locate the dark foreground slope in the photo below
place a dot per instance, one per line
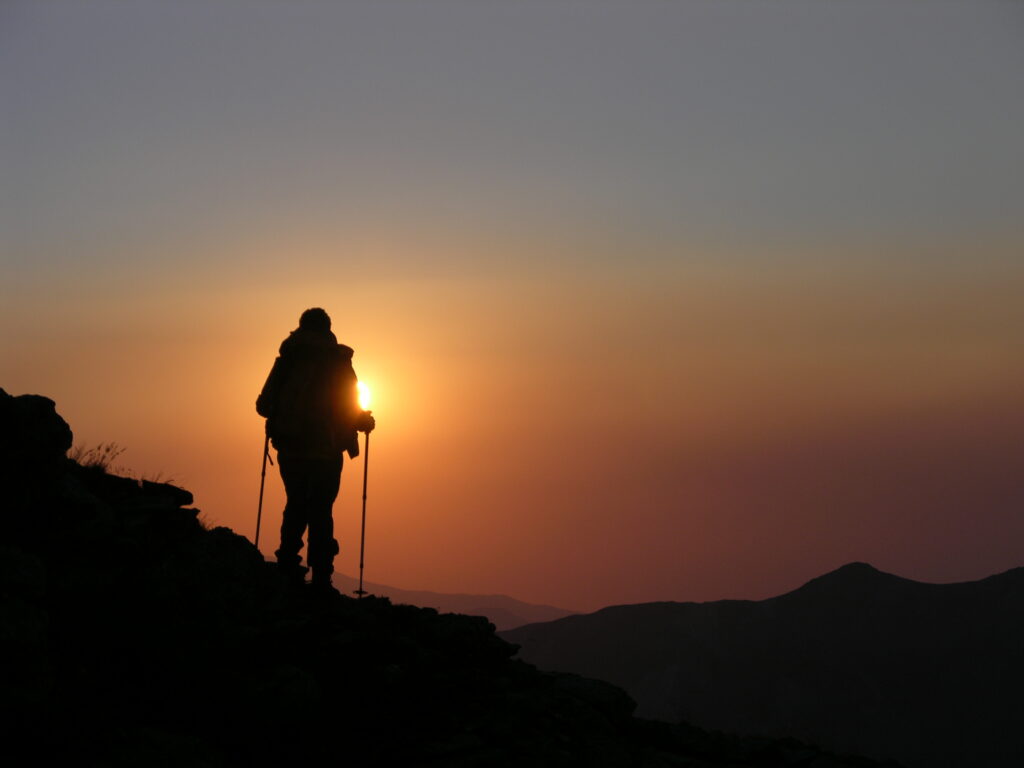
(856, 660)
(133, 636)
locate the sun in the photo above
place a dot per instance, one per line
(364, 395)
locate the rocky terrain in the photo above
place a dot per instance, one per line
(132, 635)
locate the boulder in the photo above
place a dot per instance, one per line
(32, 433)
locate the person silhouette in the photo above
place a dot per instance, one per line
(311, 405)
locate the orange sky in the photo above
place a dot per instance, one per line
(658, 300)
(676, 431)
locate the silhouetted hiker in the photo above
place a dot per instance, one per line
(312, 410)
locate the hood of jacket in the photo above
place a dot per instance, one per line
(304, 340)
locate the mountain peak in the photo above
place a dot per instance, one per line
(852, 575)
(857, 571)
(857, 567)
(853, 581)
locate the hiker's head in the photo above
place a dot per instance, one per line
(315, 319)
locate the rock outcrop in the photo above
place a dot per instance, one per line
(31, 431)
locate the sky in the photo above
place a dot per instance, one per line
(657, 300)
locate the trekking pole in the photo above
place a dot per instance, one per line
(263, 479)
(362, 532)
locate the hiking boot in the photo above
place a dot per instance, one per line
(322, 579)
(294, 575)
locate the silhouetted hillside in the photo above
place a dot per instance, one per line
(502, 611)
(856, 660)
(132, 636)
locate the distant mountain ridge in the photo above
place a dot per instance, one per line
(501, 610)
(856, 660)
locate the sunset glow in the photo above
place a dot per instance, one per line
(659, 301)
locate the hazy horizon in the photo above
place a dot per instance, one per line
(658, 301)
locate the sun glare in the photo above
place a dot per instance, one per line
(364, 395)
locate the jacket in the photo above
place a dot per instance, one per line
(310, 398)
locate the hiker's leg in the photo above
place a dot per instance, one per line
(322, 544)
(296, 475)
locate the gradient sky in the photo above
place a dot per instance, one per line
(658, 300)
